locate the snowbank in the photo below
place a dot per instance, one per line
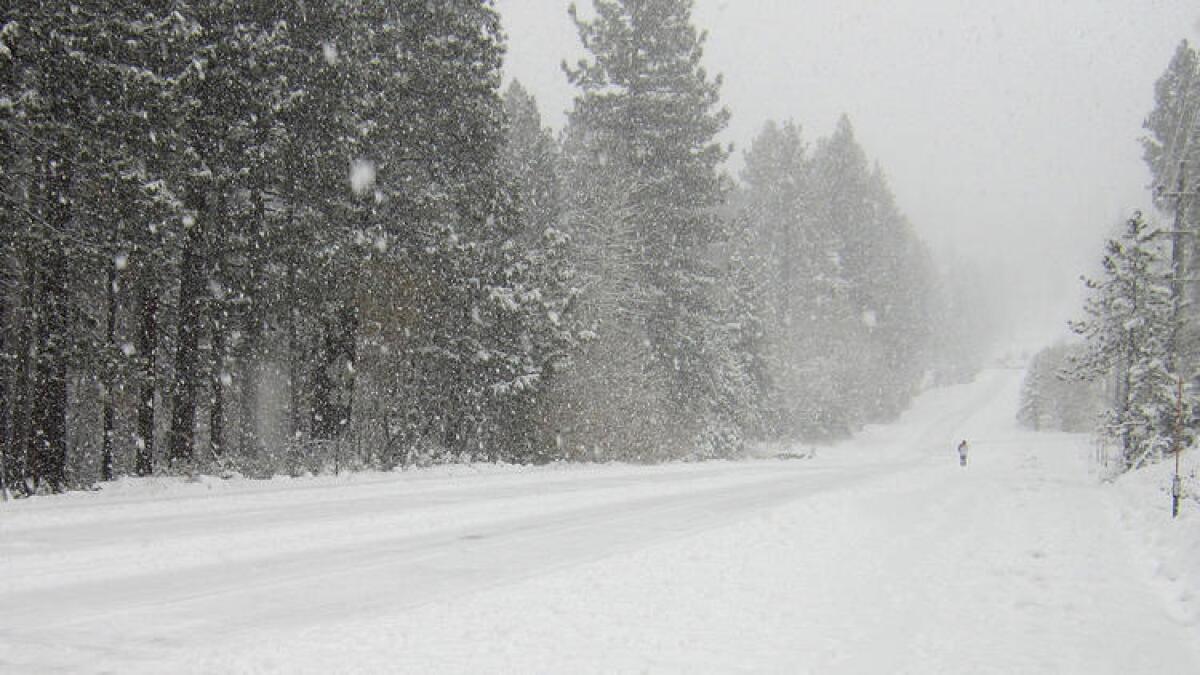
(1169, 548)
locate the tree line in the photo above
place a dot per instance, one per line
(295, 236)
(1141, 322)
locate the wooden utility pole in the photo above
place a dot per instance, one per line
(1177, 268)
(1175, 350)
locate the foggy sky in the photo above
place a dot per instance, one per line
(998, 124)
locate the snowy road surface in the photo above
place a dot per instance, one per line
(880, 555)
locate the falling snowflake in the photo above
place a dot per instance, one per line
(330, 51)
(362, 176)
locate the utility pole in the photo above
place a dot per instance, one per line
(1175, 351)
(1177, 264)
(1177, 232)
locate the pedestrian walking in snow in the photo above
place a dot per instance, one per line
(962, 453)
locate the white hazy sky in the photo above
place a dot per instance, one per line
(1008, 128)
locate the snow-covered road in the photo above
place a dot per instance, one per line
(879, 555)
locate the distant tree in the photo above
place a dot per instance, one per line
(1053, 399)
(790, 269)
(873, 316)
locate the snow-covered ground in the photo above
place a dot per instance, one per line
(878, 555)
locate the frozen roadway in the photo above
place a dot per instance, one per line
(878, 555)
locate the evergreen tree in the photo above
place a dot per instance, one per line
(1053, 399)
(782, 252)
(541, 325)
(843, 275)
(1127, 332)
(1174, 123)
(648, 111)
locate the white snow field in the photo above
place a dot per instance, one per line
(879, 555)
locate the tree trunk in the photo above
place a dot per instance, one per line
(181, 448)
(338, 350)
(216, 424)
(106, 456)
(148, 348)
(22, 399)
(324, 426)
(7, 359)
(248, 401)
(50, 410)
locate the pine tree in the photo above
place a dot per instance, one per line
(844, 275)
(539, 321)
(1032, 409)
(1052, 398)
(648, 111)
(1174, 123)
(782, 251)
(83, 79)
(1127, 331)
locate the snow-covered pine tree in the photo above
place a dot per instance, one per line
(531, 161)
(648, 112)
(79, 82)
(841, 177)
(538, 322)
(1053, 399)
(224, 102)
(1127, 331)
(1032, 409)
(1173, 125)
(449, 271)
(792, 271)
(845, 274)
(748, 306)
(898, 293)
(605, 404)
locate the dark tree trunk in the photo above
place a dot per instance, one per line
(337, 351)
(248, 401)
(187, 358)
(23, 371)
(106, 455)
(295, 368)
(148, 349)
(324, 425)
(50, 410)
(216, 424)
(7, 359)
(252, 327)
